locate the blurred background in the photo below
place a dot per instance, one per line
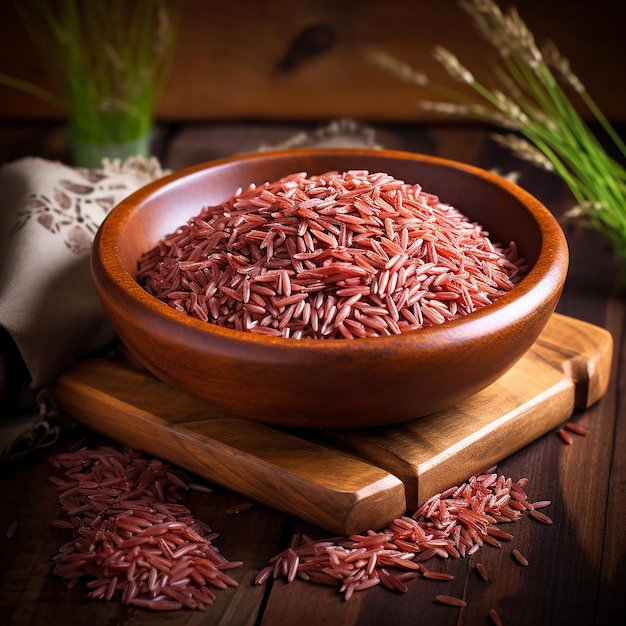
(280, 60)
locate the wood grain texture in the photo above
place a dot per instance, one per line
(299, 474)
(567, 368)
(265, 60)
(333, 490)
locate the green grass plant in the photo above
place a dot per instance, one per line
(107, 61)
(533, 101)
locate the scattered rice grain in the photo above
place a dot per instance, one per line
(437, 575)
(565, 436)
(540, 504)
(199, 487)
(453, 524)
(499, 534)
(11, 529)
(520, 558)
(239, 508)
(450, 600)
(495, 618)
(542, 517)
(576, 428)
(482, 571)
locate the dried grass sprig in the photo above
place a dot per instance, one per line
(531, 98)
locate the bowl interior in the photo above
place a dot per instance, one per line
(496, 204)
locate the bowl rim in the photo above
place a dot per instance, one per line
(548, 273)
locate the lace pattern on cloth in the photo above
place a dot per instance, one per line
(49, 215)
(75, 208)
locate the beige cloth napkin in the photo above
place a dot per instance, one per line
(49, 214)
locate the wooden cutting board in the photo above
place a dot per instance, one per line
(351, 480)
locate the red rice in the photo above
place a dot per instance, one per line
(542, 517)
(452, 524)
(576, 428)
(331, 256)
(482, 571)
(132, 538)
(437, 575)
(540, 504)
(520, 558)
(239, 508)
(11, 529)
(495, 618)
(451, 600)
(565, 436)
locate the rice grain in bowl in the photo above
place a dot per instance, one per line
(336, 255)
(341, 382)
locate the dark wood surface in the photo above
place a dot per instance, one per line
(577, 566)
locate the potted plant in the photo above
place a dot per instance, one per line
(108, 61)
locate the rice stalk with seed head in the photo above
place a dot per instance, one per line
(525, 150)
(107, 60)
(531, 99)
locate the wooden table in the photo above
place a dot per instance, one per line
(577, 566)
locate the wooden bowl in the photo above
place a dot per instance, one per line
(339, 383)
